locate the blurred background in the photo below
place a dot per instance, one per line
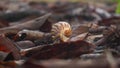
(63, 10)
(16, 4)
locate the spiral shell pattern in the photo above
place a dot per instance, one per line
(61, 30)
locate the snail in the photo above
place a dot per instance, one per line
(61, 30)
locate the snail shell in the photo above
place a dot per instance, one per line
(61, 30)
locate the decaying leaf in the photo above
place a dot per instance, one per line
(10, 46)
(32, 25)
(9, 64)
(110, 21)
(64, 50)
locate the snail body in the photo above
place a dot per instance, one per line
(61, 30)
(31, 35)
